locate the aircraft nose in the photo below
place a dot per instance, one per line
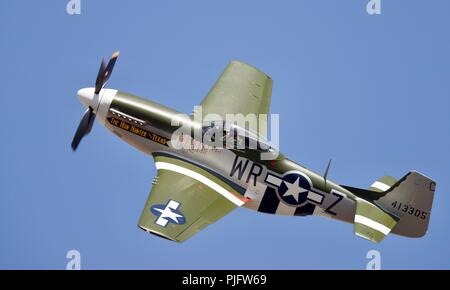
(86, 96)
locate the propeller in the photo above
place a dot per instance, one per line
(87, 121)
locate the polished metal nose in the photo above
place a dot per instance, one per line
(86, 96)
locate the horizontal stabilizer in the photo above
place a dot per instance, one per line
(383, 184)
(371, 222)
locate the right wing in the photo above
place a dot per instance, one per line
(185, 198)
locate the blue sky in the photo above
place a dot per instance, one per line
(371, 92)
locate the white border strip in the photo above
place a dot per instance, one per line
(272, 179)
(315, 197)
(372, 224)
(380, 185)
(197, 176)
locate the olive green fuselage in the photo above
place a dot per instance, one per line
(150, 127)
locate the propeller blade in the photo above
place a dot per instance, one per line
(84, 127)
(105, 72)
(99, 81)
(110, 66)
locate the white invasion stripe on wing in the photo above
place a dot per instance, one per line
(372, 224)
(197, 176)
(380, 185)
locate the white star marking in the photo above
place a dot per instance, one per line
(294, 189)
(168, 213)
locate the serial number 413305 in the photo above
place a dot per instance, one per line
(410, 210)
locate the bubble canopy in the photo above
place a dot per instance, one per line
(233, 136)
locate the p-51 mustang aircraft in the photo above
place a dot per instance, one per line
(196, 187)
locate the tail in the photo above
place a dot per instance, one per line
(402, 207)
(410, 199)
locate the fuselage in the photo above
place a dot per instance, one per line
(278, 186)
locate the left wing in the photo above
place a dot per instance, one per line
(185, 198)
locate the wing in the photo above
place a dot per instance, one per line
(185, 198)
(241, 89)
